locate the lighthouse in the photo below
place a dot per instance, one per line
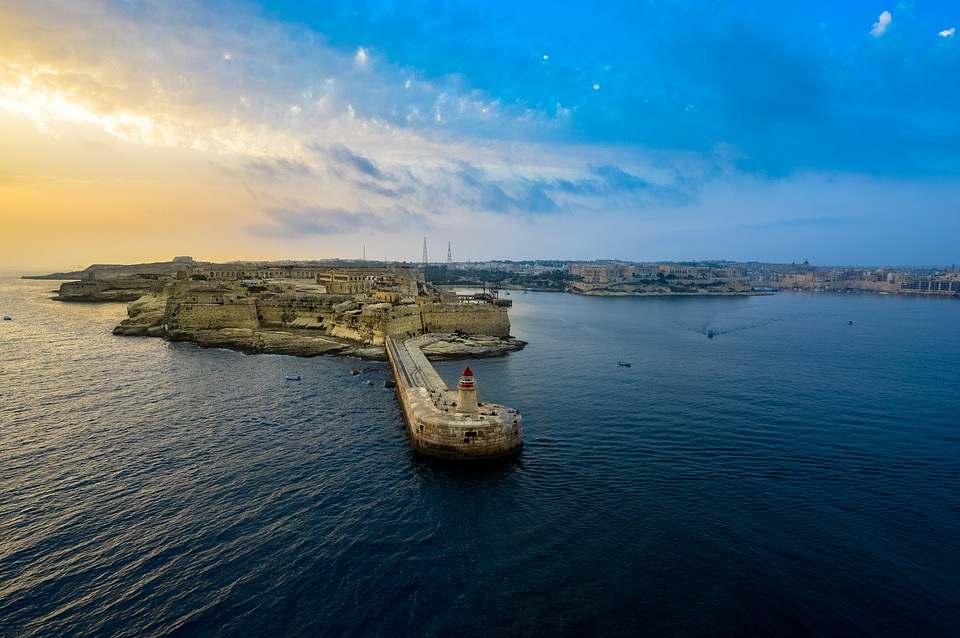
(467, 393)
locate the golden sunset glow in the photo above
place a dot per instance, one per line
(232, 133)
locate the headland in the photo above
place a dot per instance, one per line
(297, 309)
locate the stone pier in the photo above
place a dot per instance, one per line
(448, 423)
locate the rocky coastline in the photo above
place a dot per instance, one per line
(668, 288)
(301, 343)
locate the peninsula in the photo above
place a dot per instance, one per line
(298, 309)
(301, 309)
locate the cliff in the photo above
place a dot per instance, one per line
(160, 269)
(121, 289)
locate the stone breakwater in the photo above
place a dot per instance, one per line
(437, 426)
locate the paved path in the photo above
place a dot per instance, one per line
(411, 363)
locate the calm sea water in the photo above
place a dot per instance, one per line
(794, 475)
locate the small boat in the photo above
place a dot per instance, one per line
(623, 364)
(293, 377)
(850, 322)
(389, 383)
(710, 334)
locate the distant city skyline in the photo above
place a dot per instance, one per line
(641, 131)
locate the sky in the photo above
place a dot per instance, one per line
(657, 130)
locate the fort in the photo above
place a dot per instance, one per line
(301, 310)
(450, 424)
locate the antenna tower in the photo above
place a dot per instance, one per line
(449, 255)
(424, 252)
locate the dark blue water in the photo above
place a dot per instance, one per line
(794, 475)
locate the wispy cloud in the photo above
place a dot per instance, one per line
(298, 222)
(503, 196)
(948, 33)
(618, 179)
(344, 156)
(280, 168)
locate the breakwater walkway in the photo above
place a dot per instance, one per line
(448, 423)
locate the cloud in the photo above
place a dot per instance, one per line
(315, 220)
(344, 156)
(157, 73)
(618, 179)
(504, 196)
(617, 185)
(880, 26)
(948, 33)
(279, 168)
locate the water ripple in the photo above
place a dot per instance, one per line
(790, 476)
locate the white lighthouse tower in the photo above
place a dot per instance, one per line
(467, 393)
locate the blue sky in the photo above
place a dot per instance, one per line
(653, 130)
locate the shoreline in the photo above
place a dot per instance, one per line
(307, 343)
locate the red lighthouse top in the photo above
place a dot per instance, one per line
(466, 379)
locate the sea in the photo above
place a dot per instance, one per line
(796, 474)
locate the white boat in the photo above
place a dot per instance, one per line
(293, 377)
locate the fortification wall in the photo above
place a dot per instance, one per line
(210, 316)
(472, 319)
(403, 322)
(368, 325)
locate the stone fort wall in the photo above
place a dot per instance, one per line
(471, 319)
(211, 316)
(399, 321)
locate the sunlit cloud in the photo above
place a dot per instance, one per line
(948, 33)
(881, 25)
(27, 94)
